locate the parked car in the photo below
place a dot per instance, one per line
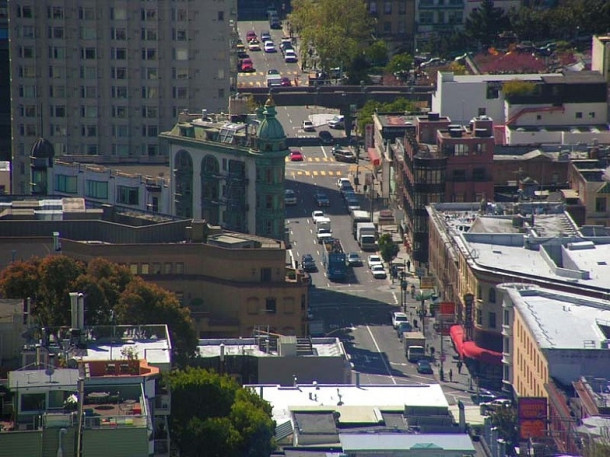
(354, 259)
(308, 263)
(398, 317)
(321, 199)
(402, 328)
(343, 182)
(374, 259)
(378, 272)
(296, 156)
(308, 126)
(352, 203)
(250, 35)
(269, 47)
(285, 82)
(290, 198)
(344, 155)
(326, 137)
(424, 367)
(265, 35)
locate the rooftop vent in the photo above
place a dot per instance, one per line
(433, 116)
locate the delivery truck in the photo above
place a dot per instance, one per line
(414, 340)
(366, 235)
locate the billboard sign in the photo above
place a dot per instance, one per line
(532, 416)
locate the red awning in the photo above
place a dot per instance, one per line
(374, 156)
(457, 336)
(471, 350)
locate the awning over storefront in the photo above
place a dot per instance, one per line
(470, 350)
(457, 336)
(374, 156)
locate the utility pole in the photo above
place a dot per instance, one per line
(442, 371)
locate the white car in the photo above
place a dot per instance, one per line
(317, 215)
(378, 271)
(343, 182)
(254, 46)
(398, 317)
(308, 126)
(374, 260)
(269, 46)
(323, 234)
(290, 56)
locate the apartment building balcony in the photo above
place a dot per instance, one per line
(507, 330)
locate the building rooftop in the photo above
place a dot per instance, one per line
(396, 120)
(449, 76)
(51, 379)
(549, 313)
(354, 442)
(354, 403)
(254, 347)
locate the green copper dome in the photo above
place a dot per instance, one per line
(270, 128)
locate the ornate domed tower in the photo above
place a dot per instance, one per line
(270, 147)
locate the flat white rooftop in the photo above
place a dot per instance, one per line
(353, 442)
(322, 347)
(156, 352)
(486, 78)
(560, 320)
(336, 397)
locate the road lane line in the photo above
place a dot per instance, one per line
(381, 355)
(395, 299)
(324, 152)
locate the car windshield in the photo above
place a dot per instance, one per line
(273, 71)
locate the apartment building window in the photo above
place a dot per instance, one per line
(402, 8)
(180, 73)
(271, 305)
(460, 149)
(88, 53)
(118, 33)
(492, 295)
(57, 110)
(88, 91)
(149, 92)
(600, 204)
(118, 72)
(28, 91)
(478, 316)
(87, 14)
(27, 71)
(387, 7)
(459, 175)
(28, 110)
(27, 52)
(150, 73)
(478, 174)
(58, 130)
(121, 150)
(55, 12)
(25, 12)
(426, 17)
(180, 93)
(56, 33)
(119, 92)
(89, 112)
(150, 112)
(57, 72)
(221, 93)
(265, 274)
(592, 115)
(149, 54)
(373, 7)
(179, 14)
(57, 52)
(492, 320)
(152, 150)
(179, 35)
(149, 34)
(96, 189)
(67, 184)
(88, 72)
(27, 129)
(454, 17)
(181, 54)
(149, 14)
(28, 31)
(167, 268)
(127, 195)
(118, 53)
(89, 131)
(179, 265)
(579, 115)
(151, 131)
(119, 112)
(88, 33)
(120, 131)
(118, 13)
(57, 91)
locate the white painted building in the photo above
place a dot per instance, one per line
(600, 55)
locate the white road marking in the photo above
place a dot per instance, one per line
(380, 352)
(324, 152)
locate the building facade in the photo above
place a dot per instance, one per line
(600, 55)
(100, 80)
(590, 181)
(230, 171)
(394, 22)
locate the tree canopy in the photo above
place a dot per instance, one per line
(336, 29)
(365, 114)
(213, 416)
(113, 295)
(485, 23)
(387, 248)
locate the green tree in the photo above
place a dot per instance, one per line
(211, 412)
(506, 421)
(485, 23)
(399, 63)
(109, 289)
(377, 53)
(336, 29)
(387, 248)
(365, 114)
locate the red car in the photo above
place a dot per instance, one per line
(251, 35)
(296, 156)
(247, 65)
(285, 82)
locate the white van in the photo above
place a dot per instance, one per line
(337, 122)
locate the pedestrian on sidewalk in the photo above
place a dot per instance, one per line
(459, 365)
(450, 375)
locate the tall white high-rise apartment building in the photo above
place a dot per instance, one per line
(100, 79)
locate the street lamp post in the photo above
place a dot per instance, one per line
(442, 371)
